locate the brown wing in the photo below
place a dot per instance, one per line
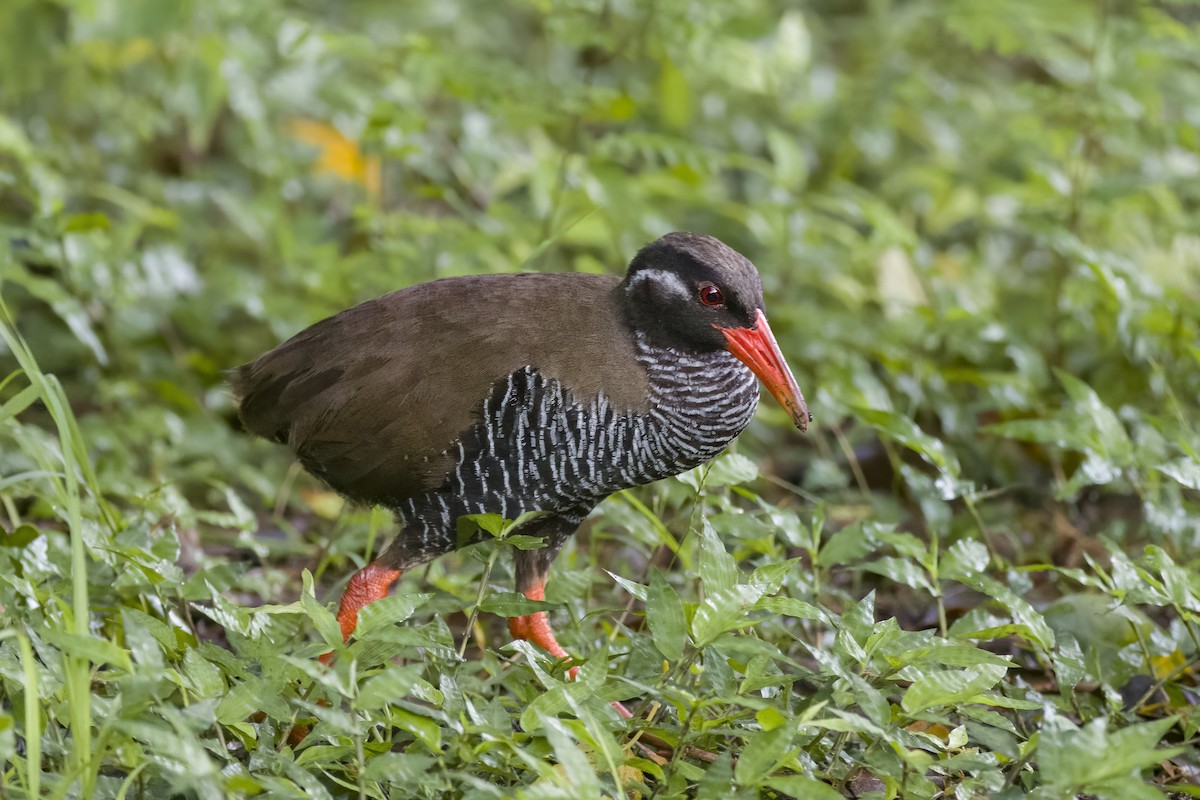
(371, 399)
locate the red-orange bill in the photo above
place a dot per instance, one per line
(757, 349)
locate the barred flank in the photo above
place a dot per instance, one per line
(538, 448)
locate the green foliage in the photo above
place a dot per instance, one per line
(977, 224)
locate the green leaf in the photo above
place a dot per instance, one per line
(1069, 665)
(901, 571)
(718, 570)
(847, 546)
(674, 96)
(664, 615)
(249, 697)
(326, 623)
(803, 786)
(965, 557)
(1186, 471)
(426, 730)
(390, 685)
(1108, 436)
(578, 775)
(790, 607)
(512, 604)
(388, 611)
(523, 542)
(398, 769)
(90, 648)
(13, 140)
(82, 223)
(203, 675)
(720, 612)
(951, 687)
(22, 536)
(949, 655)
(770, 577)
(730, 469)
(905, 431)
(634, 588)
(1031, 623)
(470, 524)
(763, 753)
(19, 402)
(1087, 759)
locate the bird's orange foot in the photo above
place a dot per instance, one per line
(536, 628)
(369, 584)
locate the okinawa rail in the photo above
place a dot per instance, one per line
(505, 394)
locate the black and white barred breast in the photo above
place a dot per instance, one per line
(536, 447)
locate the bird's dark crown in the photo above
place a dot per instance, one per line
(669, 281)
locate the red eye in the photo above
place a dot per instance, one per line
(710, 295)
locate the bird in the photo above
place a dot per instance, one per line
(514, 393)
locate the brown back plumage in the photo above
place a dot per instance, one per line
(371, 399)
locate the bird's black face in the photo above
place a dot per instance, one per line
(694, 293)
(683, 287)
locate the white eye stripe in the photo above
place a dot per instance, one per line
(666, 282)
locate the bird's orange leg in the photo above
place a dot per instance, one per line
(536, 628)
(369, 584)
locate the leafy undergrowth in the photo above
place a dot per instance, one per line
(975, 577)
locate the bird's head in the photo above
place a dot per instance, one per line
(694, 293)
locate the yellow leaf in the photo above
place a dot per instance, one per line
(337, 154)
(1165, 665)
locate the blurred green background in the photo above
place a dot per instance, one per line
(977, 227)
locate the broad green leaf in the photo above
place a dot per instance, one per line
(388, 611)
(718, 570)
(1108, 436)
(803, 786)
(249, 697)
(1090, 758)
(1186, 471)
(720, 612)
(426, 730)
(1069, 665)
(203, 675)
(578, 773)
(949, 655)
(730, 469)
(906, 432)
(847, 546)
(512, 604)
(22, 536)
(859, 619)
(762, 754)
(324, 620)
(488, 523)
(770, 577)
(964, 557)
(664, 615)
(790, 607)
(398, 769)
(901, 571)
(951, 687)
(636, 589)
(390, 685)
(1033, 624)
(523, 542)
(90, 648)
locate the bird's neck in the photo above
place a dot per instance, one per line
(699, 402)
